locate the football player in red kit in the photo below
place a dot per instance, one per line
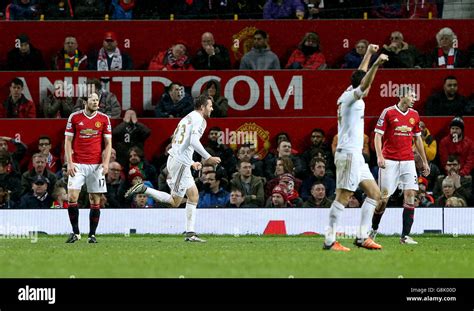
(85, 130)
(398, 124)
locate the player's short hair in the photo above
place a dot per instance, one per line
(96, 83)
(357, 77)
(405, 90)
(201, 100)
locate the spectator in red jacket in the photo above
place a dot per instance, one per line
(457, 144)
(17, 105)
(174, 58)
(308, 54)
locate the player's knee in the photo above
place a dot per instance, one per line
(72, 198)
(410, 199)
(175, 203)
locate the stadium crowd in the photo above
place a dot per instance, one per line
(285, 177)
(204, 9)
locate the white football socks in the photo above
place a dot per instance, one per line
(367, 211)
(190, 216)
(334, 214)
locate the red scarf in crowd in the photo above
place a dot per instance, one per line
(442, 60)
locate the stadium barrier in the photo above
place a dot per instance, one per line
(284, 93)
(235, 131)
(338, 37)
(233, 221)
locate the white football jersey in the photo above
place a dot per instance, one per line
(350, 120)
(192, 124)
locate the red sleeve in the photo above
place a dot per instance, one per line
(70, 127)
(416, 128)
(107, 127)
(381, 125)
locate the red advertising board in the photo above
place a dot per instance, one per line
(288, 93)
(265, 130)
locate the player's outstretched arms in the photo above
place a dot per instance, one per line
(381, 59)
(371, 50)
(369, 77)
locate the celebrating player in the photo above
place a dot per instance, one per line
(398, 124)
(186, 139)
(83, 153)
(351, 169)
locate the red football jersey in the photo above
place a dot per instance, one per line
(88, 132)
(398, 129)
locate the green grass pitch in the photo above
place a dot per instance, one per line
(160, 256)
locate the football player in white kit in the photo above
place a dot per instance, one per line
(351, 169)
(186, 140)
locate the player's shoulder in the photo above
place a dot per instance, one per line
(413, 112)
(388, 110)
(347, 92)
(75, 115)
(101, 115)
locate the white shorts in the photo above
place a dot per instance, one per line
(89, 174)
(396, 173)
(351, 170)
(180, 178)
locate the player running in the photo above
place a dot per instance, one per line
(186, 139)
(351, 169)
(398, 124)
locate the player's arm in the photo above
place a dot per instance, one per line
(369, 77)
(421, 150)
(198, 147)
(71, 168)
(371, 50)
(378, 150)
(106, 155)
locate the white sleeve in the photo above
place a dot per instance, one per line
(198, 147)
(358, 93)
